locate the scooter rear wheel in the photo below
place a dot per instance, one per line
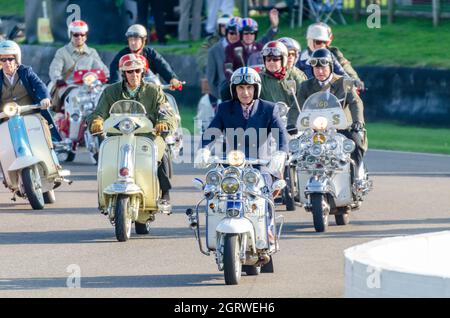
(49, 197)
(142, 228)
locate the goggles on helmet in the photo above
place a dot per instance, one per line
(319, 62)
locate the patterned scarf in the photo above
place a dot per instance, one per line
(279, 75)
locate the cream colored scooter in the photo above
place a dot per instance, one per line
(128, 186)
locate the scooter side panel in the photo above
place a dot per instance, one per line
(38, 142)
(108, 161)
(342, 185)
(7, 154)
(146, 170)
(213, 218)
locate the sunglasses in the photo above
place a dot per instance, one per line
(319, 62)
(273, 59)
(7, 59)
(247, 33)
(319, 42)
(293, 54)
(138, 71)
(78, 34)
(232, 33)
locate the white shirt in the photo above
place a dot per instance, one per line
(10, 78)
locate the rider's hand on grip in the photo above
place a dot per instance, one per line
(45, 103)
(97, 126)
(175, 84)
(160, 127)
(357, 126)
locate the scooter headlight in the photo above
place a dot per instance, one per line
(294, 145)
(251, 178)
(11, 109)
(236, 158)
(348, 145)
(126, 126)
(316, 150)
(213, 178)
(230, 185)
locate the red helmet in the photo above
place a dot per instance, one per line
(275, 48)
(77, 26)
(132, 61)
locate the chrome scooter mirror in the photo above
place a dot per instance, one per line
(198, 184)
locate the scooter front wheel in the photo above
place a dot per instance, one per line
(122, 222)
(320, 212)
(32, 187)
(231, 261)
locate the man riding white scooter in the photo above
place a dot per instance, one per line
(133, 87)
(246, 112)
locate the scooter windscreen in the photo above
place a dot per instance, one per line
(326, 106)
(127, 107)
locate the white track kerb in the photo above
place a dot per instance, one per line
(406, 266)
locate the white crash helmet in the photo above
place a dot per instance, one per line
(77, 26)
(136, 30)
(9, 47)
(246, 76)
(319, 31)
(275, 48)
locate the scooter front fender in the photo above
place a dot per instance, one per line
(320, 184)
(23, 162)
(122, 188)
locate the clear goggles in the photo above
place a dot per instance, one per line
(271, 51)
(243, 78)
(319, 62)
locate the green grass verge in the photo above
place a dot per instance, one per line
(382, 135)
(392, 136)
(12, 7)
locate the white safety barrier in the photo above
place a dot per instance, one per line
(406, 266)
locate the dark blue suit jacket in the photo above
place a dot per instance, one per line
(33, 84)
(253, 135)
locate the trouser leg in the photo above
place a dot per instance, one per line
(163, 176)
(51, 124)
(358, 154)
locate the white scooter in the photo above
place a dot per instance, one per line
(29, 165)
(241, 227)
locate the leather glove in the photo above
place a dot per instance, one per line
(96, 126)
(161, 127)
(357, 126)
(45, 103)
(60, 83)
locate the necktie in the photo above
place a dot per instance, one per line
(247, 113)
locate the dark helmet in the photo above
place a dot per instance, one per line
(321, 57)
(234, 24)
(249, 25)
